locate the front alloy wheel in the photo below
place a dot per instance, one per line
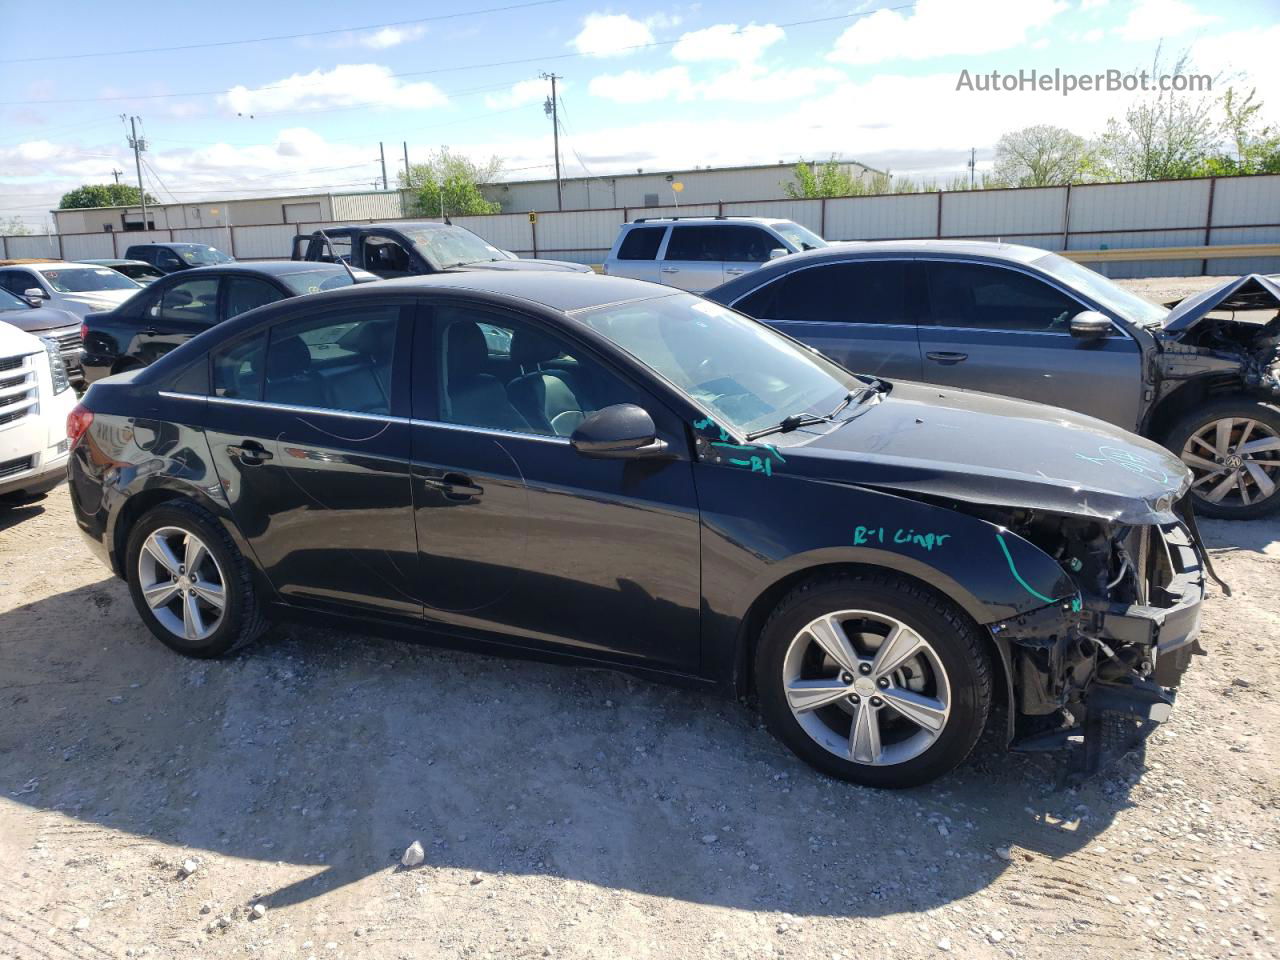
(1233, 450)
(874, 678)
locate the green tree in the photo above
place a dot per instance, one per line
(1254, 148)
(452, 182)
(102, 195)
(13, 227)
(1041, 156)
(831, 179)
(1162, 136)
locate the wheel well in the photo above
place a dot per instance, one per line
(1186, 398)
(763, 606)
(134, 508)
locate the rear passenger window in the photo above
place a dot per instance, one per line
(872, 291)
(238, 369)
(246, 293)
(195, 301)
(695, 243)
(334, 361)
(641, 243)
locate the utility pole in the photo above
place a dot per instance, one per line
(116, 173)
(407, 181)
(382, 155)
(551, 108)
(138, 147)
(973, 164)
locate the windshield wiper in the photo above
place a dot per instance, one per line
(798, 420)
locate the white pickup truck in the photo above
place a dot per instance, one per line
(35, 400)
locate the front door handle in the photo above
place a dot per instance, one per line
(947, 358)
(150, 332)
(670, 269)
(455, 486)
(734, 271)
(249, 452)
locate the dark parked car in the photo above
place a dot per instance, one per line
(393, 250)
(1202, 379)
(139, 271)
(41, 321)
(633, 476)
(173, 310)
(172, 257)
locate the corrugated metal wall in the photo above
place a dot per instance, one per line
(1177, 213)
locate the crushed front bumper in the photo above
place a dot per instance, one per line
(1101, 675)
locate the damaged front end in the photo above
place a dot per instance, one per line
(1101, 669)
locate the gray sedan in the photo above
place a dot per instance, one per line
(1201, 378)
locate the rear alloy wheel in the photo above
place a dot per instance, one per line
(1233, 450)
(873, 678)
(189, 583)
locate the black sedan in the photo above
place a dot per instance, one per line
(614, 473)
(174, 309)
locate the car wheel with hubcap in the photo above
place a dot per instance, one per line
(874, 679)
(1232, 447)
(190, 584)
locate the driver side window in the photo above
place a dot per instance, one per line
(983, 297)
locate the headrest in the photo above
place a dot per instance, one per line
(531, 347)
(287, 358)
(465, 347)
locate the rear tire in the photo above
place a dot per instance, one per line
(905, 697)
(189, 582)
(1232, 447)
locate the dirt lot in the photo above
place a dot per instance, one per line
(574, 813)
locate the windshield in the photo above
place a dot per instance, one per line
(452, 246)
(801, 238)
(747, 375)
(87, 279)
(1109, 294)
(313, 281)
(9, 301)
(200, 254)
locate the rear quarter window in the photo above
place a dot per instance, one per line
(641, 243)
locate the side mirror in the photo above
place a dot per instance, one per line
(621, 432)
(1090, 325)
(777, 252)
(35, 296)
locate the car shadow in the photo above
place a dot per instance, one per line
(1260, 536)
(335, 751)
(16, 511)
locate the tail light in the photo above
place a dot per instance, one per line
(78, 422)
(84, 332)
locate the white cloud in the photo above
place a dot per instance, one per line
(643, 86)
(725, 41)
(939, 28)
(1093, 36)
(1151, 20)
(611, 35)
(1245, 58)
(344, 85)
(752, 84)
(1092, 4)
(391, 37)
(525, 91)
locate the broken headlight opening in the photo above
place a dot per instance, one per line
(1097, 672)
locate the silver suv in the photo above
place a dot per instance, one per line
(698, 253)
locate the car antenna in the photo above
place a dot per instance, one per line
(337, 259)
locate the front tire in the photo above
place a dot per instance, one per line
(873, 678)
(189, 583)
(1232, 447)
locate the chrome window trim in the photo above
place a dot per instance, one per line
(375, 417)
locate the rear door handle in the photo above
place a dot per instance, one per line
(670, 269)
(455, 486)
(947, 358)
(249, 452)
(734, 271)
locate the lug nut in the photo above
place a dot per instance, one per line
(846, 678)
(883, 683)
(854, 699)
(877, 702)
(864, 668)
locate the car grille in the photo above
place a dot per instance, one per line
(11, 468)
(17, 389)
(70, 346)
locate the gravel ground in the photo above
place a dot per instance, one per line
(149, 803)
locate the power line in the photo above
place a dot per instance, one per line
(285, 36)
(469, 66)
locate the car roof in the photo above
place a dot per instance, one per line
(988, 249)
(399, 225)
(706, 219)
(44, 264)
(171, 243)
(114, 263)
(274, 268)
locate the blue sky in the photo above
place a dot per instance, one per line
(646, 85)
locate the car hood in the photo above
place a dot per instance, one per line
(100, 298)
(16, 343)
(1252, 292)
(984, 449)
(563, 266)
(40, 319)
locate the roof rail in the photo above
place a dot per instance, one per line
(704, 216)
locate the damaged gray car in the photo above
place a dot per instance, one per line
(1201, 378)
